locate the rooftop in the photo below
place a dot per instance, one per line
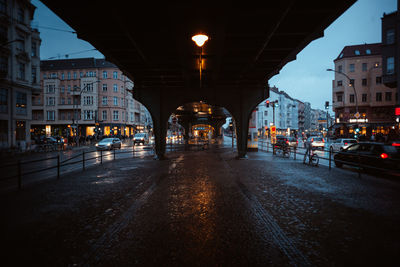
(360, 51)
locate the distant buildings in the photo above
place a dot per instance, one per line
(358, 85)
(290, 116)
(86, 97)
(19, 72)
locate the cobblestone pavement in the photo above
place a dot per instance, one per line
(204, 208)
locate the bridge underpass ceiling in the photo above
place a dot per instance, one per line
(151, 41)
(201, 113)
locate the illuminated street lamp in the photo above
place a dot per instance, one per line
(200, 39)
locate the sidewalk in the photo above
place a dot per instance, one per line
(202, 208)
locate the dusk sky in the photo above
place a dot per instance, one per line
(305, 78)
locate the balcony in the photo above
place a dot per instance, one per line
(338, 104)
(68, 106)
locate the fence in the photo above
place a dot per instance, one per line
(16, 169)
(360, 160)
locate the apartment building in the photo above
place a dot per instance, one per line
(19, 72)
(360, 99)
(86, 97)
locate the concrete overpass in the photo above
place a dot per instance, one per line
(248, 44)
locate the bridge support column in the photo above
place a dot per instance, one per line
(242, 130)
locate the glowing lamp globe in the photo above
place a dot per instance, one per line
(200, 39)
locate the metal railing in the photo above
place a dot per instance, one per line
(358, 163)
(23, 168)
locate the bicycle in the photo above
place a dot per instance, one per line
(313, 158)
(284, 149)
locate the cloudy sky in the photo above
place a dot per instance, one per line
(305, 78)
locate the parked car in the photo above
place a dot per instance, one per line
(368, 154)
(108, 144)
(288, 140)
(140, 138)
(315, 142)
(341, 143)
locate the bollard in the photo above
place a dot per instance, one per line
(19, 174)
(83, 160)
(101, 156)
(330, 158)
(114, 153)
(58, 166)
(294, 153)
(133, 150)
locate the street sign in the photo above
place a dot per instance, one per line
(357, 115)
(273, 134)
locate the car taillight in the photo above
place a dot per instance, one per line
(287, 141)
(396, 144)
(323, 141)
(297, 141)
(384, 155)
(312, 139)
(345, 144)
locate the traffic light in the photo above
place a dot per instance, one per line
(276, 103)
(267, 103)
(356, 132)
(326, 104)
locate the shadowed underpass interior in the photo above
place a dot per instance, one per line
(201, 208)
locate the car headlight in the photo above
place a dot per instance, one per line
(97, 144)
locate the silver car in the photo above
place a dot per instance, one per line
(316, 142)
(341, 143)
(108, 144)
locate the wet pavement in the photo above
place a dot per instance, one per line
(204, 208)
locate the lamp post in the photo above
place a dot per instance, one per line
(200, 39)
(357, 115)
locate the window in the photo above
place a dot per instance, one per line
(122, 89)
(368, 51)
(50, 88)
(364, 82)
(34, 49)
(378, 97)
(81, 74)
(364, 67)
(351, 68)
(62, 100)
(115, 101)
(340, 83)
(91, 74)
(388, 96)
(3, 6)
(34, 74)
(50, 101)
(339, 97)
(104, 101)
(69, 88)
(390, 38)
(340, 68)
(21, 103)
(122, 102)
(115, 75)
(265, 112)
(75, 76)
(104, 87)
(115, 115)
(62, 89)
(69, 101)
(88, 86)
(62, 76)
(364, 98)
(69, 75)
(88, 100)
(390, 65)
(104, 74)
(50, 115)
(88, 115)
(20, 15)
(351, 98)
(4, 64)
(104, 115)
(3, 100)
(21, 71)
(378, 79)
(115, 87)
(53, 75)
(357, 52)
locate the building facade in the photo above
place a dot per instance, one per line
(86, 97)
(360, 98)
(19, 72)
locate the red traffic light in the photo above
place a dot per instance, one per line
(267, 103)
